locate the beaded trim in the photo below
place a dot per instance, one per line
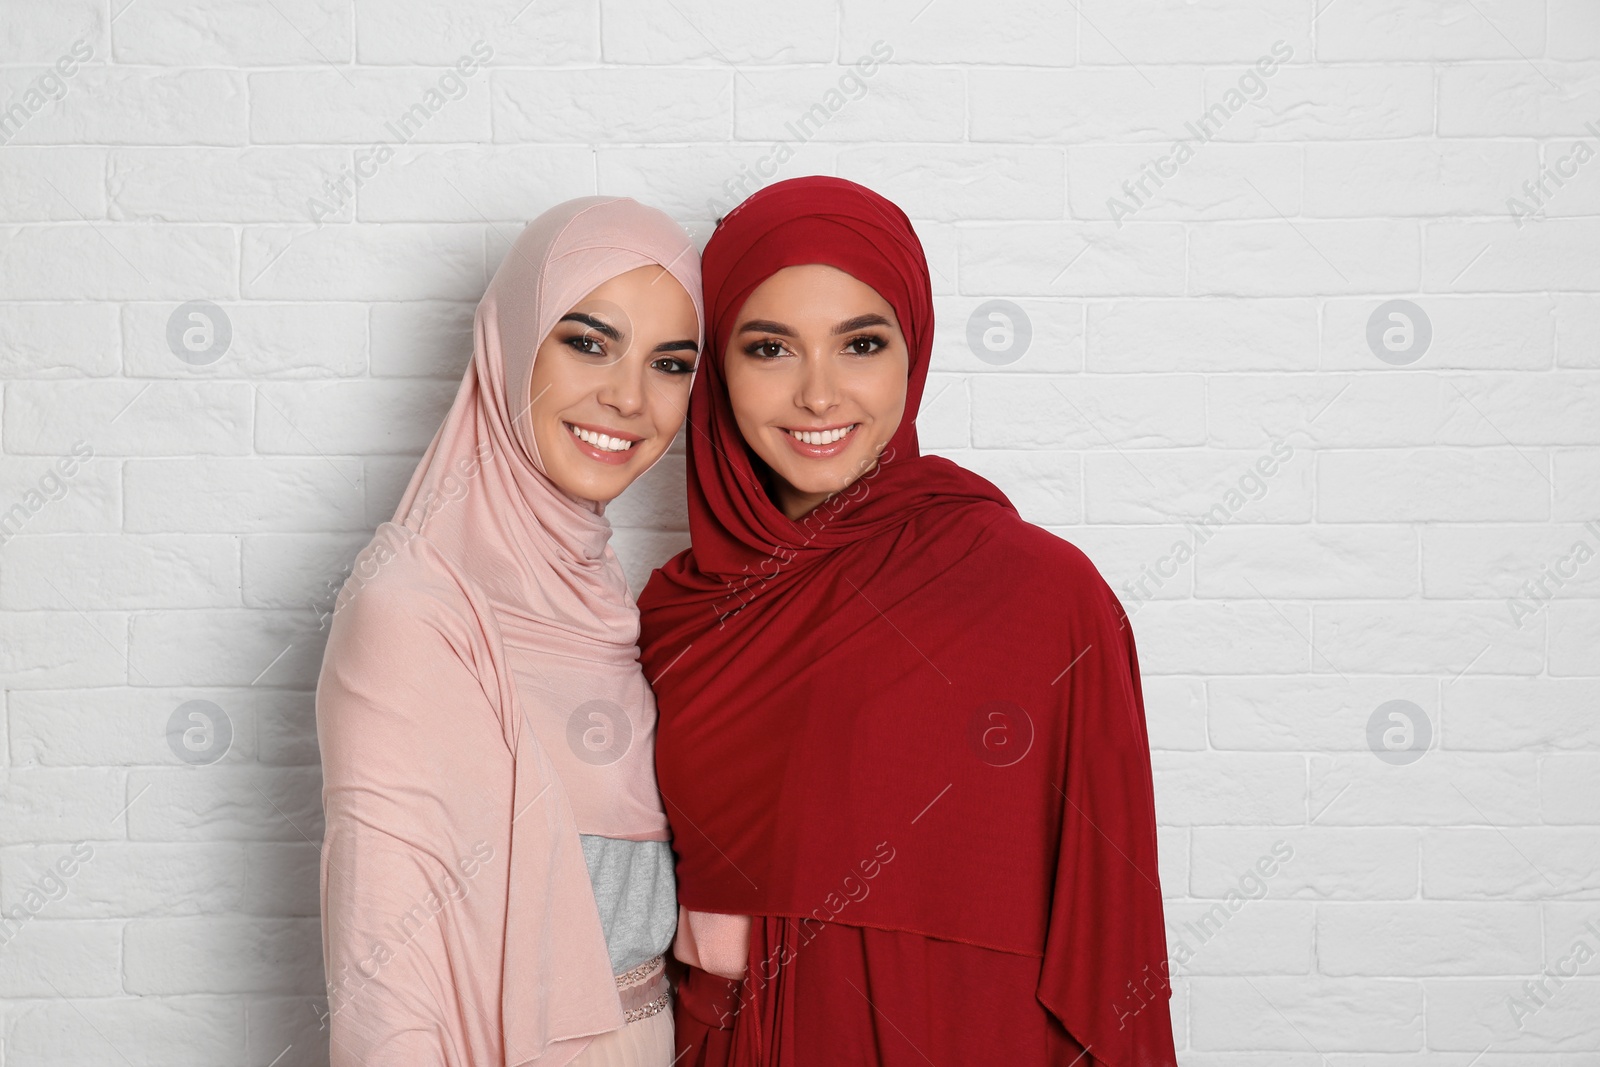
(647, 1010)
(631, 977)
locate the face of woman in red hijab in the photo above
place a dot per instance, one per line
(610, 384)
(816, 370)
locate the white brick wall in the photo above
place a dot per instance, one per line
(229, 152)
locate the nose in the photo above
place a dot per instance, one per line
(819, 388)
(623, 388)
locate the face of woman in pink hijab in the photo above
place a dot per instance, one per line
(816, 370)
(610, 384)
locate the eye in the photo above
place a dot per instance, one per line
(672, 365)
(587, 343)
(768, 349)
(865, 344)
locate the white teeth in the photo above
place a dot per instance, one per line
(601, 441)
(822, 437)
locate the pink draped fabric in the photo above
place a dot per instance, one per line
(481, 705)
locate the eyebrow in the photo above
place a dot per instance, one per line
(847, 326)
(616, 335)
(593, 323)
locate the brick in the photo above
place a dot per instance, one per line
(845, 103)
(1309, 257)
(57, 340)
(395, 261)
(1081, 259)
(230, 185)
(101, 262)
(1024, 33)
(708, 32)
(419, 32)
(96, 572)
(350, 417)
(77, 175)
(266, 341)
(1318, 714)
(1467, 333)
(1431, 30)
(1518, 98)
(1450, 637)
(243, 495)
(1155, 411)
(369, 106)
(611, 104)
(236, 33)
(1442, 485)
(124, 418)
(1083, 106)
(1131, 336)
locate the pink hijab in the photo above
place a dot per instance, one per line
(481, 704)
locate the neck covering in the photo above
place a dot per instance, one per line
(910, 669)
(481, 705)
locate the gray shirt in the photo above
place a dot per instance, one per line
(636, 894)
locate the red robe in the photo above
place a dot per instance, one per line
(905, 731)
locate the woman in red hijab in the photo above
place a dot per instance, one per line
(901, 741)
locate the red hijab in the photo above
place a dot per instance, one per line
(909, 670)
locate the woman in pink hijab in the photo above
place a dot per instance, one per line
(496, 872)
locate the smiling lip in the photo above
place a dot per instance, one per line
(596, 449)
(820, 451)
